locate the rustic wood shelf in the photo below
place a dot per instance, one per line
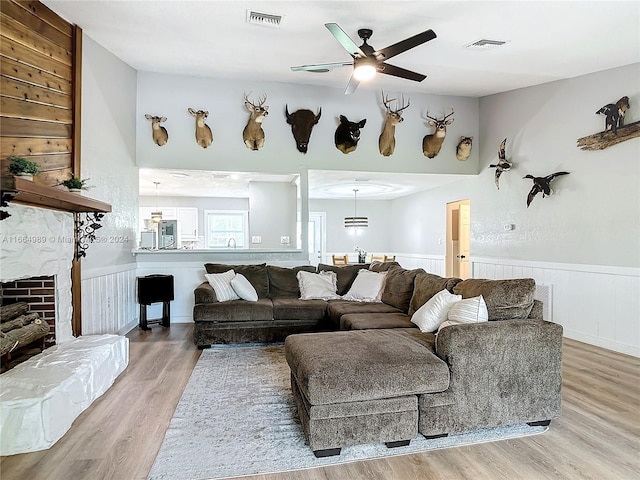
(19, 190)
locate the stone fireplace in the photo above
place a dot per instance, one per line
(42, 396)
(36, 251)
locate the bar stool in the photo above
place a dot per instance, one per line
(154, 289)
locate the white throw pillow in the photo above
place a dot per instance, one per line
(221, 283)
(430, 315)
(469, 310)
(367, 287)
(243, 288)
(321, 285)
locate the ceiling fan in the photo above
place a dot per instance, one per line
(367, 61)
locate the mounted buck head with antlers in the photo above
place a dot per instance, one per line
(253, 135)
(204, 136)
(387, 141)
(158, 132)
(431, 144)
(302, 122)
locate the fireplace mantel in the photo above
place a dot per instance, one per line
(16, 189)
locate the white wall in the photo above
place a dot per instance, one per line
(272, 214)
(171, 95)
(340, 240)
(591, 224)
(108, 160)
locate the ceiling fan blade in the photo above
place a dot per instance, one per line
(344, 39)
(400, 72)
(320, 67)
(404, 45)
(352, 85)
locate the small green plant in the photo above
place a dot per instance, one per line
(73, 183)
(20, 165)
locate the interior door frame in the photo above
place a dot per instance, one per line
(449, 253)
(321, 217)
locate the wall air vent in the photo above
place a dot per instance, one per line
(485, 44)
(266, 19)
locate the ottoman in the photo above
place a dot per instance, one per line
(361, 386)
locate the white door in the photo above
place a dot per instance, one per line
(317, 237)
(458, 239)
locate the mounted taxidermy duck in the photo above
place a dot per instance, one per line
(503, 164)
(541, 184)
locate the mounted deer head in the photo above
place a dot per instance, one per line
(302, 122)
(387, 141)
(158, 132)
(253, 135)
(348, 134)
(204, 136)
(431, 144)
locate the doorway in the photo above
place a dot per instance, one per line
(458, 239)
(317, 237)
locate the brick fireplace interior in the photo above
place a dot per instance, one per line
(39, 294)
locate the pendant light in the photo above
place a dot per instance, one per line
(156, 217)
(356, 221)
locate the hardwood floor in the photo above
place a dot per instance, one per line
(118, 437)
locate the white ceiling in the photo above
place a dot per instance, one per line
(546, 41)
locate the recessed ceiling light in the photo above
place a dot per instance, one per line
(179, 175)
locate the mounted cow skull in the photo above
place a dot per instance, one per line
(348, 134)
(302, 122)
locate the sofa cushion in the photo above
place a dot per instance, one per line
(431, 315)
(382, 266)
(363, 365)
(364, 321)
(243, 288)
(317, 285)
(233, 311)
(505, 299)
(367, 287)
(296, 309)
(256, 274)
(221, 283)
(426, 285)
(346, 274)
(337, 308)
(283, 281)
(398, 287)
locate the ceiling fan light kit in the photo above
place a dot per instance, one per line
(367, 61)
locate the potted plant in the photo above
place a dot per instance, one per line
(21, 167)
(75, 184)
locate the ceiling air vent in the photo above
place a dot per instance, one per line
(485, 44)
(266, 19)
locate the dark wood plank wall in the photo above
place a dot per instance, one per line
(37, 85)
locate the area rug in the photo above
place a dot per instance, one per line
(237, 417)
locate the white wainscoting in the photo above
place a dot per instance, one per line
(595, 304)
(109, 300)
(430, 263)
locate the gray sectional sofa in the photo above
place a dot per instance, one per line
(366, 374)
